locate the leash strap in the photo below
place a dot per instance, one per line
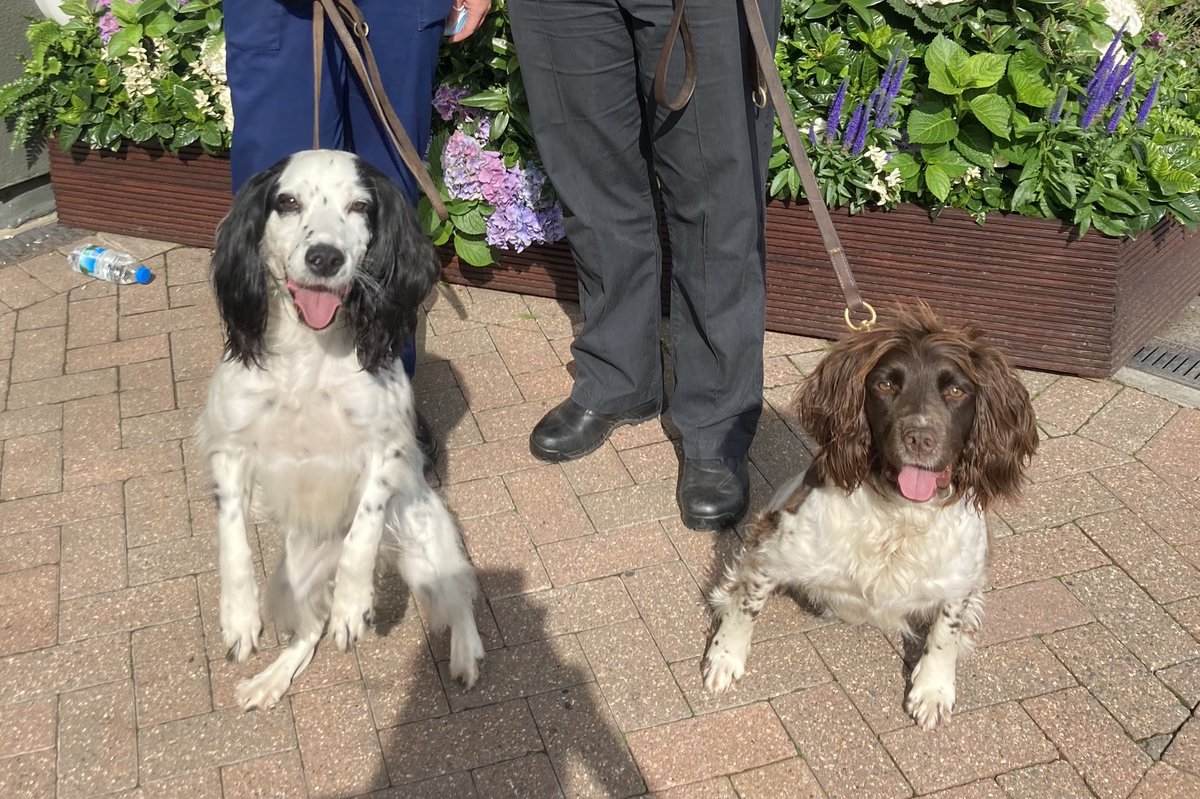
(812, 191)
(362, 58)
(678, 28)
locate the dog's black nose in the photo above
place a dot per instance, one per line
(324, 259)
(919, 440)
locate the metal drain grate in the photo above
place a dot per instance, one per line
(1170, 361)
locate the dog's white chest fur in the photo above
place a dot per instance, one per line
(309, 426)
(869, 559)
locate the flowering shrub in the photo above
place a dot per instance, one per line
(1080, 111)
(143, 71)
(482, 154)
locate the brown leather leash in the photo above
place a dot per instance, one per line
(765, 57)
(344, 16)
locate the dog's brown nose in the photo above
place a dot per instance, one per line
(324, 259)
(919, 441)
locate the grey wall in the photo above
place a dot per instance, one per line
(24, 186)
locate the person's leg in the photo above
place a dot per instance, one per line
(580, 73)
(269, 67)
(405, 37)
(711, 160)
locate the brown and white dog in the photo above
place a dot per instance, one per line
(920, 428)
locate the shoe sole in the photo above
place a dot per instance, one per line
(711, 524)
(551, 456)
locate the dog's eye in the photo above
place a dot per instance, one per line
(286, 203)
(358, 207)
(885, 386)
(954, 392)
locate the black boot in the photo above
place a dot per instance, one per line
(426, 442)
(570, 431)
(713, 494)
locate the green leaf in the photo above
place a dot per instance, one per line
(160, 25)
(210, 134)
(491, 100)
(473, 251)
(1025, 75)
(994, 112)
(937, 181)
(983, 70)
(908, 166)
(141, 131)
(931, 123)
(472, 222)
(976, 145)
(1025, 193)
(124, 11)
(946, 63)
(68, 135)
(123, 39)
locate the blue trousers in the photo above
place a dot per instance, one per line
(269, 66)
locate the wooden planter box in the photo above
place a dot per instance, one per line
(141, 191)
(1050, 300)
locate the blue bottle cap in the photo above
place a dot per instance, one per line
(143, 275)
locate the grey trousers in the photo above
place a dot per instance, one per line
(588, 68)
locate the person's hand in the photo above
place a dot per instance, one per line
(476, 11)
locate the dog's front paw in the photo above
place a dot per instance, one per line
(721, 669)
(353, 611)
(262, 691)
(931, 698)
(466, 652)
(240, 625)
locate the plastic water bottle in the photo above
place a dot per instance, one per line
(111, 265)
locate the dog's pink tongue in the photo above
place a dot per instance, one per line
(317, 307)
(918, 484)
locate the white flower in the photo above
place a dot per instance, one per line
(1120, 12)
(882, 185)
(972, 174)
(1123, 12)
(815, 128)
(137, 73)
(877, 157)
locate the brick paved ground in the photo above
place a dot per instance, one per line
(112, 680)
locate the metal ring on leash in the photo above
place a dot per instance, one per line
(865, 325)
(759, 96)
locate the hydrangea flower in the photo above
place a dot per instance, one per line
(446, 101)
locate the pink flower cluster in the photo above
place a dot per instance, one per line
(525, 213)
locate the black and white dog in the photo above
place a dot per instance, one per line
(319, 270)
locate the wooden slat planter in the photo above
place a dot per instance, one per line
(1050, 300)
(141, 191)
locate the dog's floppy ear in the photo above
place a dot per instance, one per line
(831, 404)
(1005, 435)
(239, 274)
(399, 269)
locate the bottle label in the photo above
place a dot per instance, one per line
(87, 259)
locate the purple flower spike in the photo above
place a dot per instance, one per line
(812, 133)
(1148, 103)
(1055, 113)
(835, 111)
(856, 121)
(1104, 68)
(860, 133)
